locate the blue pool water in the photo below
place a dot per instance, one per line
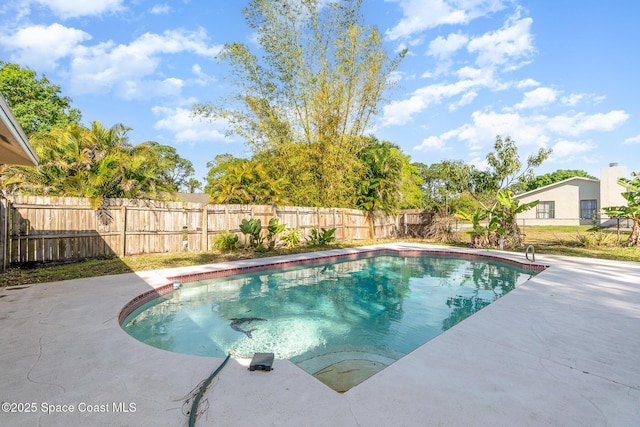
(353, 315)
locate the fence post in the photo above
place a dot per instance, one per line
(335, 221)
(123, 232)
(404, 222)
(4, 232)
(204, 245)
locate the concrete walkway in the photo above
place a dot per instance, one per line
(561, 350)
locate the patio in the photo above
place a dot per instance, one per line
(561, 350)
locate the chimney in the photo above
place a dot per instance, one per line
(610, 191)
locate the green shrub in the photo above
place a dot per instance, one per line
(321, 237)
(273, 229)
(252, 228)
(290, 238)
(595, 238)
(226, 241)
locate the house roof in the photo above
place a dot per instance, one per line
(555, 185)
(14, 145)
(195, 197)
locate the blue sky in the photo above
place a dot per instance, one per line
(561, 75)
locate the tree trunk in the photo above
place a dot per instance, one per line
(634, 238)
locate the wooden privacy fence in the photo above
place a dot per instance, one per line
(46, 229)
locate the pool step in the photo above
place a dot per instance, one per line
(342, 370)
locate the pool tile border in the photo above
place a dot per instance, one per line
(311, 258)
(142, 299)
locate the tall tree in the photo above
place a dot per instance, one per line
(504, 171)
(178, 170)
(553, 177)
(36, 102)
(444, 185)
(304, 104)
(193, 185)
(493, 190)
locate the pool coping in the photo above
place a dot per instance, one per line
(562, 349)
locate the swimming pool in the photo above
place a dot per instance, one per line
(341, 320)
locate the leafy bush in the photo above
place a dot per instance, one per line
(321, 237)
(252, 228)
(274, 228)
(226, 241)
(595, 238)
(291, 238)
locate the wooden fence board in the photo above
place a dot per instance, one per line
(45, 229)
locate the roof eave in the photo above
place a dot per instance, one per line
(16, 148)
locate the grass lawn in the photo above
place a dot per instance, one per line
(554, 240)
(580, 241)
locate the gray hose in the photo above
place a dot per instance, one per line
(196, 401)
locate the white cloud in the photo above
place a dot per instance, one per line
(421, 15)
(132, 89)
(580, 123)
(632, 140)
(444, 47)
(466, 99)
(564, 148)
(160, 9)
(41, 47)
(509, 46)
(526, 131)
(188, 129)
(533, 131)
(573, 99)
(202, 78)
(538, 97)
(523, 84)
(437, 143)
(506, 48)
(430, 144)
(74, 8)
(400, 112)
(100, 68)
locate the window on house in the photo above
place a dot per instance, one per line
(588, 209)
(546, 210)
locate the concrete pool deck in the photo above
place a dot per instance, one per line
(562, 349)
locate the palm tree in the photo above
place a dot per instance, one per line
(380, 190)
(94, 162)
(247, 182)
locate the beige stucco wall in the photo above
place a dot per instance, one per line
(567, 202)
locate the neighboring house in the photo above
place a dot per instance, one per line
(194, 197)
(14, 146)
(575, 201)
